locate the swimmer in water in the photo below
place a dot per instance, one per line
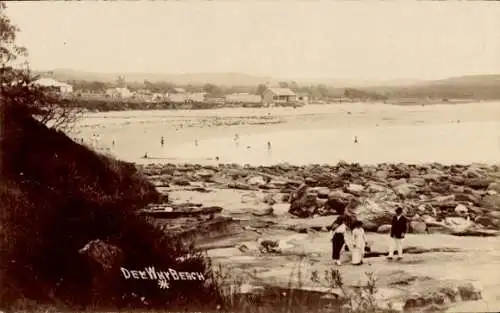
(355, 139)
(216, 158)
(248, 147)
(145, 155)
(268, 145)
(113, 143)
(162, 141)
(196, 143)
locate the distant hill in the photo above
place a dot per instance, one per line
(358, 83)
(485, 80)
(486, 87)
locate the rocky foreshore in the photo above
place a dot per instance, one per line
(228, 209)
(457, 199)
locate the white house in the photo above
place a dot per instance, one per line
(279, 96)
(197, 96)
(177, 97)
(119, 93)
(302, 99)
(243, 98)
(158, 97)
(51, 83)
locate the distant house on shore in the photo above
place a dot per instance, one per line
(197, 96)
(53, 84)
(279, 97)
(177, 97)
(119, 93)
(302, 99)
(241, 98)
(143, 95)
(158, 97)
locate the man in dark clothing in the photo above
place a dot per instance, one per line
(398, 231)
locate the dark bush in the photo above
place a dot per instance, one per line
(56, 196)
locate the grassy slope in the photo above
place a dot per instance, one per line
(55, 196)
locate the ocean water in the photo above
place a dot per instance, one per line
(385, 133)
(444, 143)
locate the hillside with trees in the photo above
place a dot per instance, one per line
(476, 87)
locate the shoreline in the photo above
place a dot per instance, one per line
(124, 105)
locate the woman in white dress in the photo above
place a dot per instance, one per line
(359, 243)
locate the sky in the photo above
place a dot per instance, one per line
(293, 39)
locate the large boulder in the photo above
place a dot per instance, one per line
(384, 229)
(373, 187)
(404, 190)
(491, 202)
(478, 183)
(256, 181)
(181, 181)
(461, 209)
(458, 224)
(205, 175)
(263, 211)
(269, 199)
(338, 202)
(322, 192)
(473, 172)
(417, 181)
(303, 203)
(355, 189)
(495, 186)
(418, 227)
(373, 214)
(397, 182)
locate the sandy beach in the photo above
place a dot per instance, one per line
(255, 197)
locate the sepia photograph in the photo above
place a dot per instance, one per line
(250, 156)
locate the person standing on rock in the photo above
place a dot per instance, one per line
(339, 228)
(398, 231)
(359, 243)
